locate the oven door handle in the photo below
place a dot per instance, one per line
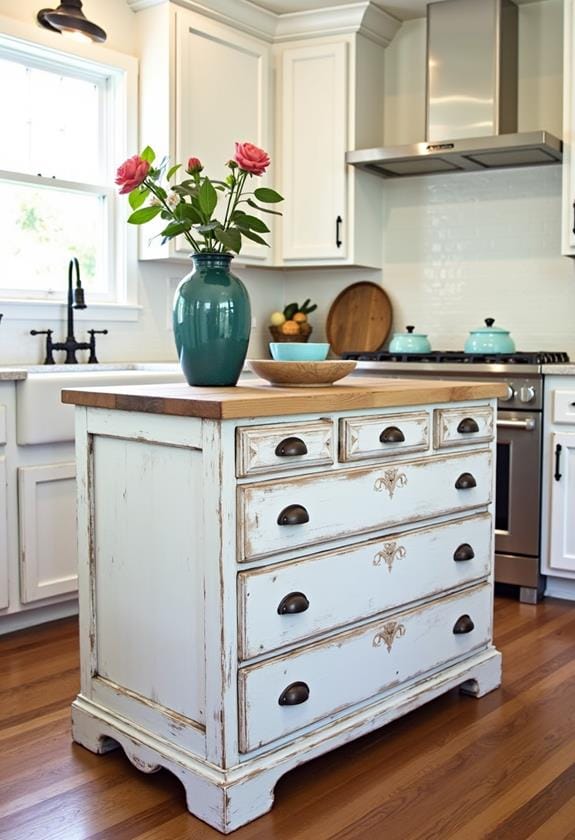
(527, 425)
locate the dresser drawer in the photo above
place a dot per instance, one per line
(282, 695)
(382, 436)
(291, 513)
(462, 426)
(268, 449)
(564, 407)
(302, 598)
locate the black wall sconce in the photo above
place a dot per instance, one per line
(69, 19)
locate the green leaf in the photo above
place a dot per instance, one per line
(172, 171)
(180, 190)
(290, 310)
(252, 223)
(208, 198)
(254, 237)
(230, 239)
(143, 215)
(175, 229)
(137, 198)
(148, 154)
(267, 195)
(186, 211)
(263, 209)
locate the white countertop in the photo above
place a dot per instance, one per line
(8, 374)
(559, 370)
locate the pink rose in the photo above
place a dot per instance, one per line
(132, 173)
(194, 165)
(251, 159)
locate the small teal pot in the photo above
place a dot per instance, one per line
(489, 339)
(212, 321)
(410, 342)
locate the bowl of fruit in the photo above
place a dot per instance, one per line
(292, 324)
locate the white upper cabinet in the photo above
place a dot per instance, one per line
(332, 213)
(568, 218)
(204, 86)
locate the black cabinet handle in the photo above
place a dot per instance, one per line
(291, 447)
(295, 602)
(392, 435)
(558, 451)
(573, 228)
(463, 624)
(293, 515)
(294, 694)
(468, 426)
(338, 223)
(463, 552)
(465, 482)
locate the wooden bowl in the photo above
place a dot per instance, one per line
(301, 374)
(279, 336)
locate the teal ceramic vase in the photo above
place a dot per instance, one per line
(212, 321)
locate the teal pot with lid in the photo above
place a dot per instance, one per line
(489, 339)
(410, 342)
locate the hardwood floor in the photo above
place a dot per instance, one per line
(501, 768)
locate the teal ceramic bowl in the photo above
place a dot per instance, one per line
(293, 351)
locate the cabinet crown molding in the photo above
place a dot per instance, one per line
(354, 18)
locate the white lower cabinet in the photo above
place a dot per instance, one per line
(3, 533)
(47, 530)
(239, 617)
(562, 524)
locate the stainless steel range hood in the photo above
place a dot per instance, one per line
(471, 113)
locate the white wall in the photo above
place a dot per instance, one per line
(150, 338)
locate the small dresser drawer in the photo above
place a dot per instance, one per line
(564, 407)
(302, 598)
(292, 513)
(268, 449)
(462, 426)
(282, 695)
(382, 436)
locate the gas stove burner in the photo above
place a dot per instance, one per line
(544, 357)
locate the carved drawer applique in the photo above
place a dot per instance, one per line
(390, 632)
(390, 481)
(388, 554)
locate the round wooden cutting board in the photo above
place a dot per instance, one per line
(359, 318)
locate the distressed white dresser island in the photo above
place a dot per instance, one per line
(268, 573)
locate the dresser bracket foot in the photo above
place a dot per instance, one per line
(486, 678)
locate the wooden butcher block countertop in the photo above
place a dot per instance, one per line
(256, 398)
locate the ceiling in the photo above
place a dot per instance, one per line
(401, 9)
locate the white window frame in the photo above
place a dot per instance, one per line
(120, 129)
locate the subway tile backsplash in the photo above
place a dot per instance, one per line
(461, 248)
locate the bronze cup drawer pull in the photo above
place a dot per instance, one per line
(293, 515)
(392, 435)
(295, 602)
(464, 624)
(291, 447)
(463, 552)
(465, 482)
(294, 694)
(468, 426)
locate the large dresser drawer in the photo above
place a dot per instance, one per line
(383, 435)
(282, 695)
(275, 448)
(302, 598)
(286, 514)
(462, 426)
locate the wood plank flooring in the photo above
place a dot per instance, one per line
(499, 768)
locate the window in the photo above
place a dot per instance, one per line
(59, 149)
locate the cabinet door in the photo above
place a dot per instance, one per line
(223, 80)
(568, 220)
(3, 534)
(314, 140)
(562, 546)
(47, 522)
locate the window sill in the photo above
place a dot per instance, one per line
(55, 310)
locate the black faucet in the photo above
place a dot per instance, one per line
(71, 346)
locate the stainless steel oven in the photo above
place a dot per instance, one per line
(518, 501)
(519, 447)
